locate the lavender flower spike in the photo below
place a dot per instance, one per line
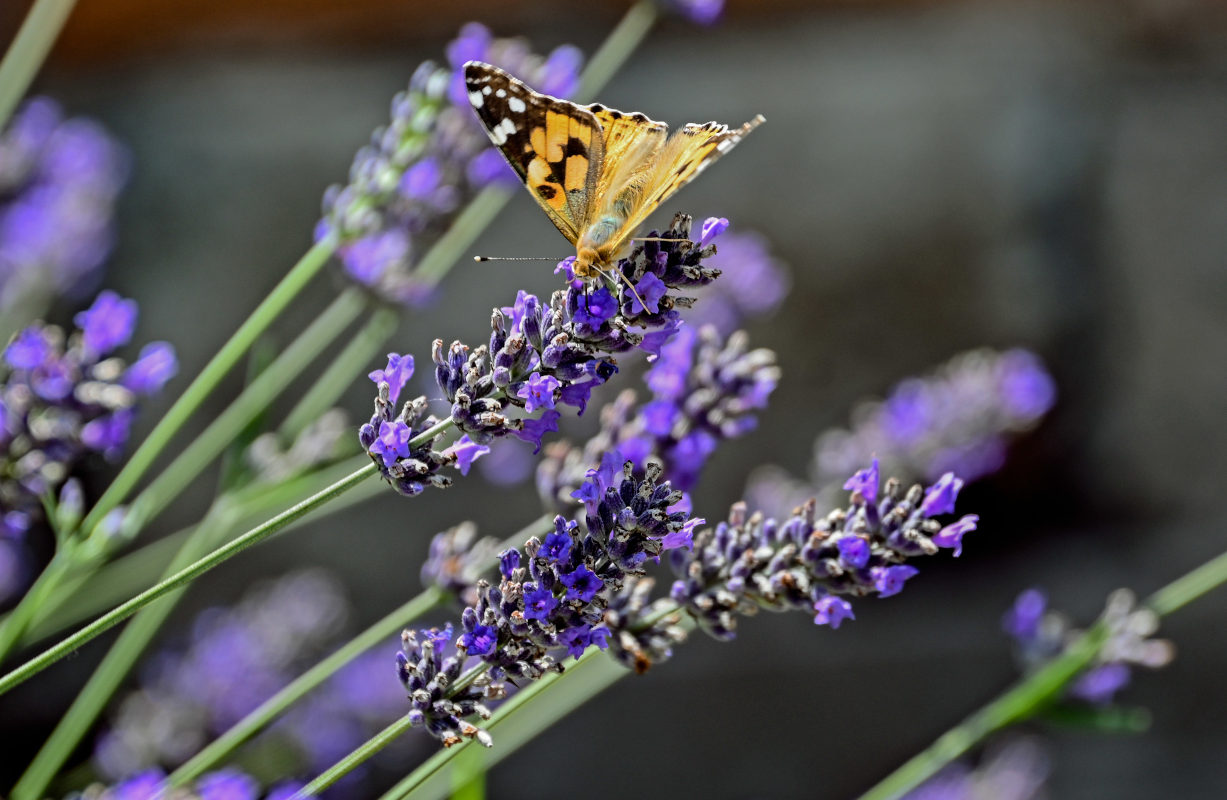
(806, 563)
(408, 184)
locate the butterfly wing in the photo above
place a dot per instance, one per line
(686, 154)
(631, 141)
(554, 146)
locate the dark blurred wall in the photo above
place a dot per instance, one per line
(939, 177)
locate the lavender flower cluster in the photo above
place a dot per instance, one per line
(553, 594)
(705, 389)
(959, 418)
(583, 585)
(1015, 770)
(810, 564)
(234, 660)
(406, 186)
(58, 182)
(1040, 635)
(63, 398)
(538, 356)
(225, 784)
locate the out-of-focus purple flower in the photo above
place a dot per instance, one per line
(957, 419)
(233, 660)
(228, 784)
(407, 185)
(150, 372)
(107, 324)
(1015, 770)
(753, 283)
(62, 399)
(701, 12)
(1041, 635)
(58, 182)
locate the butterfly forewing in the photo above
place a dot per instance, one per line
(687, 153)
(555, 146)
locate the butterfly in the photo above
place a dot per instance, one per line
(598, 173)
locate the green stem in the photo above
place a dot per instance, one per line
(209, 377)
(120, 658)
(616, 48)
(273, 380)
(122, 612)
(343, 767)
(28, 51)
(464, 230)
(273, 707)
(1039, 689)
(15, 625)
(334, 380)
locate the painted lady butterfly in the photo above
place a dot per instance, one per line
(597, 172)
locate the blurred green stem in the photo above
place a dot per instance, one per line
(208, 379)
(28, 51)
(14, 627)
(184, 576)
(1039, 689)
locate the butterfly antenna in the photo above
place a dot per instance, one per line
(630, 287)
(479, 259)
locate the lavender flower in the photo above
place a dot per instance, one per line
(540, 356)
(705, 389)
(959, 418)
(320, 442)
(234, 660)
(1016, 770)
(151, 784)
(63, 399)
(407, 185)
(58, 182)
(457, 560)
(701, 12)
(805, 563)
(1040, 635)
(553, 595)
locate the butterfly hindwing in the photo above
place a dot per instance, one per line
(555, 146)
(631, 141)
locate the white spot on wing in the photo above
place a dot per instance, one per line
(517, 105)
(486, 90)
(501, 131)
(476, 99)
(501, 93)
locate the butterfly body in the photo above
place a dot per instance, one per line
(598, 173)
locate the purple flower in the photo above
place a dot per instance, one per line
(392, 443)
(480, 641)
(712, 227)
(577, 639)
(701, 12)
(534, 430)
(683, 537)
(889, 580)
(29, 350)
(108, 435)
(396, 374)
(1027, 389)
(561, 72)
(557, 546)
(582, 584)
(832, 610)
(650, 289)
(150, 372)
(539, 603)
(1100, 684)
(509, 562)
(107, 324)
(866, 482)
(1023, 620)
(596, 308)
(939, 499)
(368, 259)
(489, 167)
(659, 417)
(854, 551)
(952, 534)
(228, 784)
(538, 392)
(421, 179)
(466, 452)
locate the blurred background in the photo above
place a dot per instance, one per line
(937, 176)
